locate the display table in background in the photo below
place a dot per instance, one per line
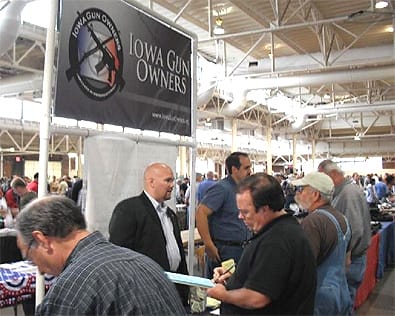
(18, 282)
(379, 255)
(369, 279)
(386, 247)
(185, 237)
(9, 251)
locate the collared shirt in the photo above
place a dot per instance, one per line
(203, 187)
(224, 222)
(101, 278)
(173, 252)
(350, 200)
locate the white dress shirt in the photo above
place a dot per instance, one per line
(173, 252)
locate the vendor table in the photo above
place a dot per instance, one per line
(386, 247)
(379, 254)
(18, 282)
(369, 279)
(9, 251)
(185, 237)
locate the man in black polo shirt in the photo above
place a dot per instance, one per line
(276, 274)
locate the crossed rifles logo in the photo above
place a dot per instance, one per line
(96, 59)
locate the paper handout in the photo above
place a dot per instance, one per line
(189, 280)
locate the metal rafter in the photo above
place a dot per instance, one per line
(261, 19)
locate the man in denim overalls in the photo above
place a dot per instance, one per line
(329, 234)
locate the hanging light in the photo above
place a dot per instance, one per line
(381, 4)
(218, 29)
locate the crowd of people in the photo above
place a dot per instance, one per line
(283, 264)
(17, 191)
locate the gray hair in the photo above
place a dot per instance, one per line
(327, 197)
(328, 165)
(54, 216)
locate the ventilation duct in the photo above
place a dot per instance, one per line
(240, 89)
(353, 75)
(234, 91)
(356, 56)
(204, 95)
(10, 23)
(22, 83)
(298, 121)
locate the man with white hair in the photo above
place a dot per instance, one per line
(329, 235)
(205, 185)
(350, 200)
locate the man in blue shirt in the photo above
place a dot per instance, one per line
(222, 232)
(381, 189)
(205, 185)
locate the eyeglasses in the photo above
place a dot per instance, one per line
(300, 188)
(26, 256)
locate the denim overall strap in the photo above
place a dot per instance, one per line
(332, 296)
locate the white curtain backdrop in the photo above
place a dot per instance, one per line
(113, 171)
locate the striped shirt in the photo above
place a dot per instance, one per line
(101, 278)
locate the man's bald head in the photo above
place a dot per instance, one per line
(210, 175)
(159, 181)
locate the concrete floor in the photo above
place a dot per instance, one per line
(382, 300)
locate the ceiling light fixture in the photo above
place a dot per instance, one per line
(218, 29)
(208, 122)
(381, 4)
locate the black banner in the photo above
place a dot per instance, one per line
(117, 65)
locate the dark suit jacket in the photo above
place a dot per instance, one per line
(135, 224)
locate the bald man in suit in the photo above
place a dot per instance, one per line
(145, 224)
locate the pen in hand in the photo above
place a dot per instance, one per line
(215, 280)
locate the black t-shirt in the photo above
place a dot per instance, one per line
(183, 187)
(277, 262)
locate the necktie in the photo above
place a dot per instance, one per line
(173, 253)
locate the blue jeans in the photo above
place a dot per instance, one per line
(355, 274)
(225, 253)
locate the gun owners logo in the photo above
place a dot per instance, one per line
(95, 55)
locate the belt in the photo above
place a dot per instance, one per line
(229, 242)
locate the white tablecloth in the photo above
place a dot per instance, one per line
(5, 232)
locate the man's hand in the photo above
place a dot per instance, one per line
(212, 252)
(221, 274)
(218, 292)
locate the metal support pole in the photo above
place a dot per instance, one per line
(193, 150)
(45, 123)
(234, 135)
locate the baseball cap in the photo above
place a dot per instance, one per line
(317, 180)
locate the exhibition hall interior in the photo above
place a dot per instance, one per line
(308, 77)
(289, 82)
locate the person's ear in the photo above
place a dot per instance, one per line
(150, 181)
(316, 195)
(41, 239)
(332, 174)
(262, 209)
